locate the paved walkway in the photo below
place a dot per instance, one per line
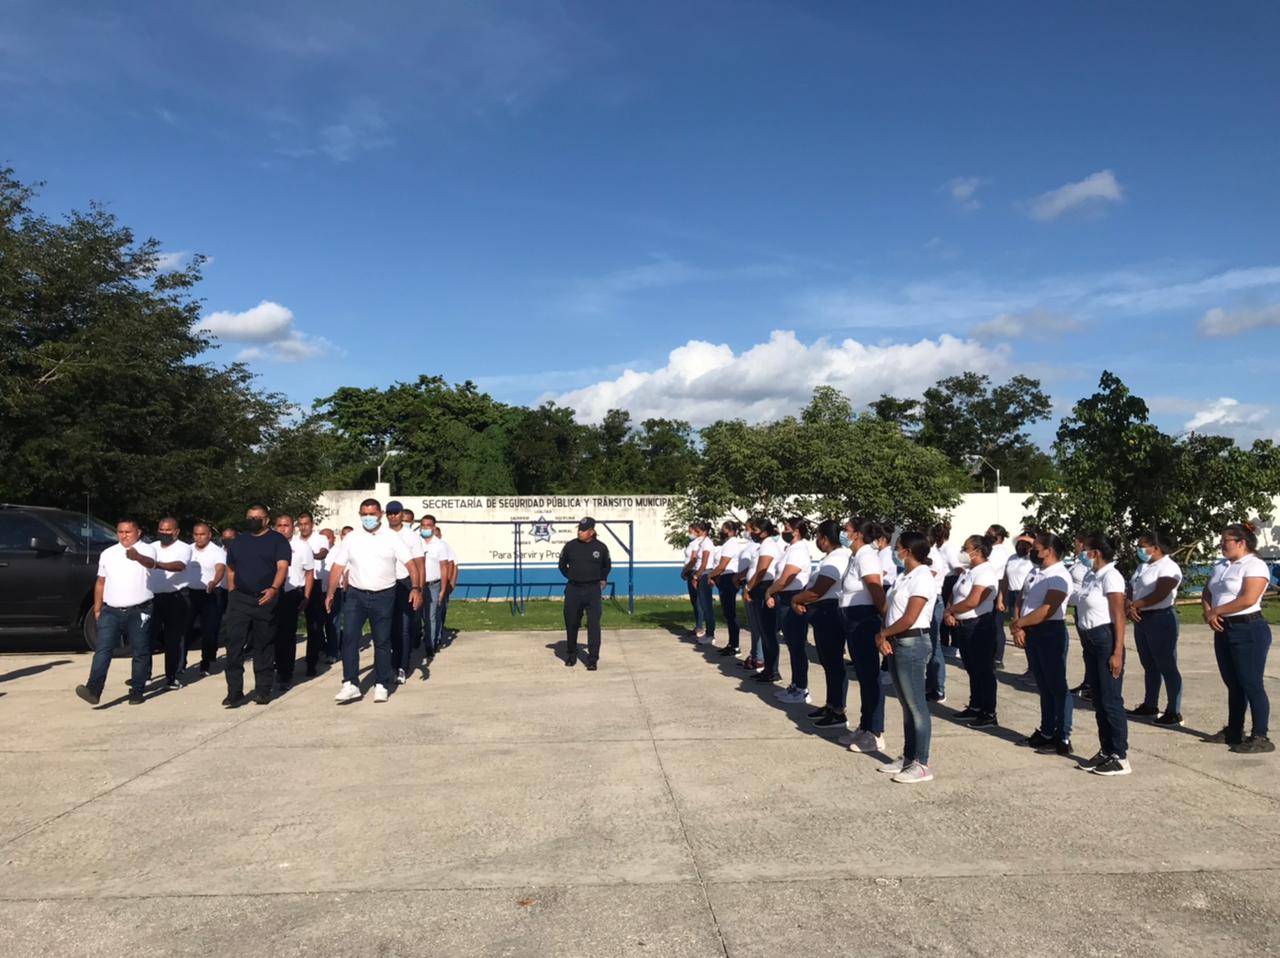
(660, 806)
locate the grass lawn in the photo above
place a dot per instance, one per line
(547, 615)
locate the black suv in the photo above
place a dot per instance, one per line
(48, 565)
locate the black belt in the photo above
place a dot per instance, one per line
(823, 603)
(595, 582)
(126, 608)
(910, 634)
(1242, 619)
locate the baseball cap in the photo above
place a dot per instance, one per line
(395, 505)
(586, 523)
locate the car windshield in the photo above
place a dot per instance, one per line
(85, 531)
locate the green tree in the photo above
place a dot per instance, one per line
(667, 448)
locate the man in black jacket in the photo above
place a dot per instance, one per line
(584, 561)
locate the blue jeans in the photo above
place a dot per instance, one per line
(976, 639)
(694, 601)
(753, 629)
(131, 624)
(936, 670)
(1156, 637)
(402, 617)
(795, 631)
(907, 666)
(1242, 658)
(828, 636)
(729, 606)
(1011, 599)
(708, 607)
(861, 623)
(333, 626)
(767, 622)
(1047, 645)
(431, 616)
(1108, 692)
(360, 606)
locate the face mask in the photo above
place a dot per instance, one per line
(166, 540)
(1143, 555)
(897, 560)
(1037, 560)
(370, 522)
(253, 524)
(787, 537)
(844, 540)
(1084, 557)
(1022, 548)
(426, 533)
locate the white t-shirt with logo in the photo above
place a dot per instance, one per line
(1040, 583)
(981, 576)
(1148, 574)
(371, 558)
(207, 561)
(799, 556)
(866, 561)
(161, 581)
(127, 582)
(301, 561)
(833, 566)
(1092, 603)
(772, 548)
(918, 582)
(1227, 580)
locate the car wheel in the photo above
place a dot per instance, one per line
(89, 630)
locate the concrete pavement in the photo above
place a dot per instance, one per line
(661, 806)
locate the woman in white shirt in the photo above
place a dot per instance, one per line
(723, 576)
(820, 600)
(704, 548)
(796, 563)
(1232, 603)
(768, 565)
(904, 641)
(1100, 620)
(692, 557)
(861, 606)
(889, 568)
(1078, 569)
(1012, 579)
(746, 566)
(1154, 587)
(936, 671)
(972, 618)
(1041, 629)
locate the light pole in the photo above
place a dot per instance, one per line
(975, 463)
(389, 454)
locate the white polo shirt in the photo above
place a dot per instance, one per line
(888, 568)
(833, 566)
(1148, 574)
(704, 545)
(747, 557)
(866, 561)
(1001, 553)
(207, 561)
(981, 576)
(918, 582)
(1227, 579)
(799, 556)
(301, 561)
(435, 551)
(1016, 571)
(1040, 584)
(126, 583)
(1077, 572)
(732, 550)
(413, 542)
(771, 549)
(160, 581)
(371, 558)
(1092, 603)
(318, 543)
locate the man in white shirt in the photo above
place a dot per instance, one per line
(404, 616)
(122, 604)
(170, 578)
(448, 582)
(368, 556)
(435, 571)
(207, 592)
(332, 618)
(298, 584)
(313, 610)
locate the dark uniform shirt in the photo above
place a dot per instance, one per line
(583, 562)
(254, 560)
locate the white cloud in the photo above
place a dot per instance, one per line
(702, 381)
(270, 325)
(964, 192)
(1091, 194)
(1034, 324)
(598, 294)
(1223, 322)
(167, 262)
(1241, 421)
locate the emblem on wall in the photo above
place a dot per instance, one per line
(541, 530)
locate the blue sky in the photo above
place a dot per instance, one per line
(696, 210)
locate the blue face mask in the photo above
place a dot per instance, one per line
(897, 560)
(844, 539)
(1143, 555)
(370, 522)
(1084, 557)
(426, 533)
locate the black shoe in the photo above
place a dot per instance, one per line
(1168, 718)
(1036, 739)
(88, 694)
(260, 698)
(1255, 745)
(282, 688)
(1143, 710)
(1089, 764)
(1222, 737)
(312, 671)
(592, 666)
(206, 671)
(136, 698)
(769, 677)
(570, 660)
(984, 721)
(233, 701)
(817, 713)
(969, 712)
(1057, 747)
(172, 685)
(1114, 765)
(729, 650)
(831, 720)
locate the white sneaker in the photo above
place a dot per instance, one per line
(380, 693)
(349, 692)
(400, 677)
(796, 697)
(706, 639)
(783, 693)
(866, 741)
(891, 768)
(913, 774)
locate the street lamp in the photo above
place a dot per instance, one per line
(390, 453)
(974, 467)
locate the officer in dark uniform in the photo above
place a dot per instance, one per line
(584, 561)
